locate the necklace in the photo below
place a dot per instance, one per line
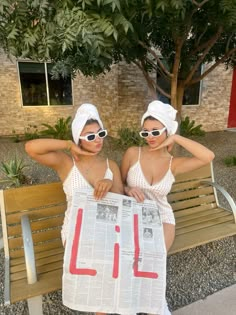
(86, 167)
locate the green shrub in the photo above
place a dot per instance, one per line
(188, 128)
(16, 137)
(31, 132)
(128, 137)
(13, 172)
(61, 130)
(230, 161)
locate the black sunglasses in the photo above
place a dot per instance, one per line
(92, 136)
(153, 133)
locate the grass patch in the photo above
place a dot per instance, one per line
(230, 161)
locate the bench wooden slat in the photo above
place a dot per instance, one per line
(203, 172)
(39, 255)
(48, 282)
(183, 195)
(56, 243)
(14, 218)
(197, 215)
(30, 197)
(197, 209)
(40, 267)
(205, 224)
(190, 184)
(201, 219)
(41, 236)
(193, 202)
(212, 233)
(38, 225)
(39, 262)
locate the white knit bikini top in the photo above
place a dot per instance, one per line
(75, 180)
(157, 191)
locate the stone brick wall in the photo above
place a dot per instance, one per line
(121, 97)
(102, 92)
(213, 110)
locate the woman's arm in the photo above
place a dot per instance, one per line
(128, 159)
(48, 152)
(200, 154)
(117, 186)
(103, 186)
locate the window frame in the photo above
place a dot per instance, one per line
(47, 87)
(200, 86)
(200, 91)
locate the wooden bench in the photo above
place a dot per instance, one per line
(36, 268)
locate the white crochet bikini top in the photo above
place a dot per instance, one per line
(157, 191)
(75, 180)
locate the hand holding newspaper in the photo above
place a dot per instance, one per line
(115, 257)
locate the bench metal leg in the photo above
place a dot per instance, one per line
(35, 305)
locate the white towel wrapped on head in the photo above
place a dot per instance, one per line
(165, 113)
(84, 113)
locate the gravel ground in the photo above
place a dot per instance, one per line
(191, 275)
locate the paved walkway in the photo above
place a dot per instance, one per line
(222, 302)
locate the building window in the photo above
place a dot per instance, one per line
(192, 93)
(39, 89)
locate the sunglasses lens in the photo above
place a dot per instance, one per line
(144, 134)
(91, 137)
(155, 133)
(102, 134)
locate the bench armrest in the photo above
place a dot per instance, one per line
(225, 194)
(29, 250)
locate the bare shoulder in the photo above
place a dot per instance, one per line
(113, 164)
(132, 152)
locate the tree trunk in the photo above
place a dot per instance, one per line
(173, 98)
(180, 96)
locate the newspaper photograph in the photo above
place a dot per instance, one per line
(115, 257)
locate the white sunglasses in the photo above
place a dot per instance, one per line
(92, 136)
(153, 133)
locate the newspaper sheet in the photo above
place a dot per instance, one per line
(115, 257)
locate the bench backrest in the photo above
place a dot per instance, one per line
(45, 205)
(189, 195)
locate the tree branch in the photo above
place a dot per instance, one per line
(151, 83)
(199, 5)
(157, 69)
(152, 52)
(202, 46)
(200, 60)
(210, 69)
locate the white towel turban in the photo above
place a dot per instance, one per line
(165, 113)
(84, 113)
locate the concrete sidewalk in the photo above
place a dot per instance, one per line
(221, 302)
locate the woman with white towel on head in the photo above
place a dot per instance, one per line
(84, 167)
(148, 172)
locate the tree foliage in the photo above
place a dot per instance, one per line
(175, 37)
(170, 37)
(76, 34)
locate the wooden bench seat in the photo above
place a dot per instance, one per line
(199, 220)
(199, 217)
(45, 205)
